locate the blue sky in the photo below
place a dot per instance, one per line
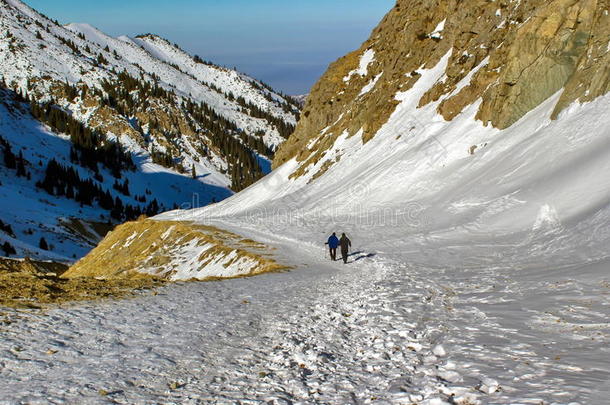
(286, 43)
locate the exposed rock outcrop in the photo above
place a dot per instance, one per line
(510, 55)
(174, 251)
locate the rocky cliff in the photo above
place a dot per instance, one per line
(505, 56)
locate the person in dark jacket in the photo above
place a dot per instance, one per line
(345, 245)
(333, 244)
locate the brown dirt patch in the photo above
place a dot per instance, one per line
(30, 284)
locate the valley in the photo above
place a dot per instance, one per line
(463, 148)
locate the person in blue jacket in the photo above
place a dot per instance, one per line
(333, 244)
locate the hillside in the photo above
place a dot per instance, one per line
(70, 195)
(464, 148)
(502, 60)
(140, 112)
(147, 92)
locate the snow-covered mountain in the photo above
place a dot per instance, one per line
(443, 137)
(214, 129)
(465, 149)
(301, 99)
(38, 55)
(39, 202)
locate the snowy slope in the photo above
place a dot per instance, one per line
(301, 98)
(510, 236)
(156, 55)
(40, 59)
(524, 186)
(34, 214)
(227, 80)
(374, 331)
(36, 55)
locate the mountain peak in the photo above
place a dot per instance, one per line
(154, 37)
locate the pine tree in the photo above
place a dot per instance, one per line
(193, 172)
(7, 228)
(101, 60)
(43, 244)
(9, 158)
(21, 166)
(8, 249)
(117, 211)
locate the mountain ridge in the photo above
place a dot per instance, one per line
(214, 128)
(515, 55)
(63, 56)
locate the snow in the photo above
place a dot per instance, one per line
(441, 26)
(438, 30)
(519, 257)
(365, 60)
(547, 218)
(229, 81)
(191, 267)
(130, 239)
(474, 279)
(26, 207)
(325, 333)
(301, 99)
(184, 336)
(371, 85)
(25, 58)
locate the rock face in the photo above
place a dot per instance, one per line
(508, 55)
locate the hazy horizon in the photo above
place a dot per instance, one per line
(286, 45)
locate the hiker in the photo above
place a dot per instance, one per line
(333, 244)
(345, 245)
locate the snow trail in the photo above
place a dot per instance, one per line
(372, 331)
